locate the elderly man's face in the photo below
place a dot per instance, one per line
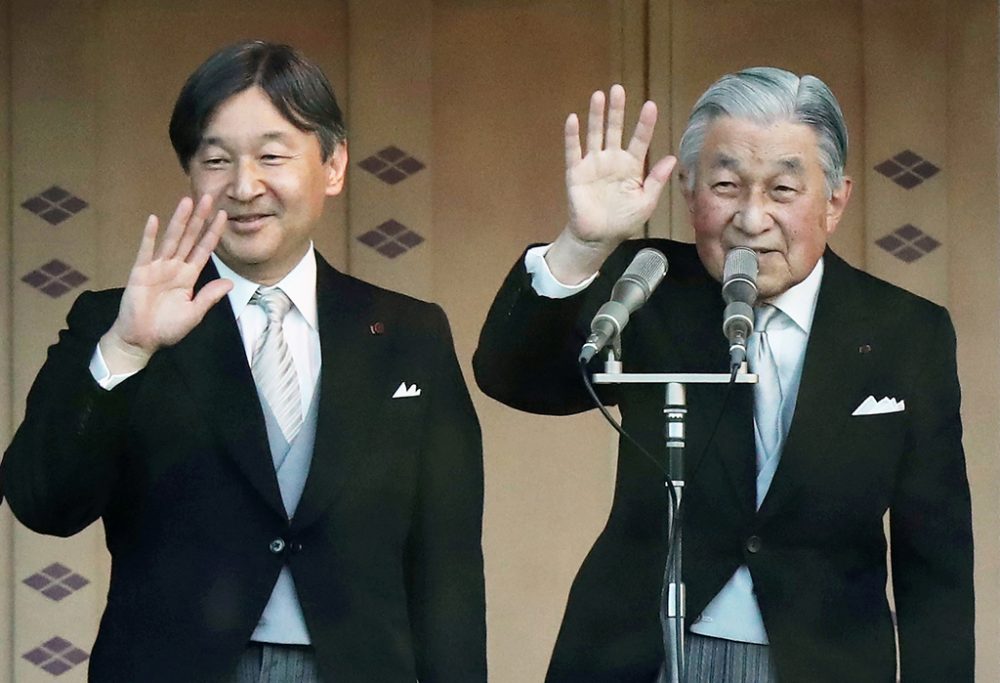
(762, 187)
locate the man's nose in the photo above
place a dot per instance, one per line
(752, 217)
(246, 184)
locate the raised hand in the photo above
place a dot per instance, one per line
(609, 199)
(159, 306)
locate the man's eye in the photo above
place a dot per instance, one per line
(724, 186)
(272, 158)
(215, 162)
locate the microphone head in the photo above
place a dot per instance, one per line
(647, 270)
(739, 275)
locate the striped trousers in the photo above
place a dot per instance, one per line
(264, 663)
(715, 660)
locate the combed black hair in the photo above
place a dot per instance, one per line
(296, 87)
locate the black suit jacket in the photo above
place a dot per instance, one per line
(816, 549)
(385, 545)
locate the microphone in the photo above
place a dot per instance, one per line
(739, 290)
(630, 292)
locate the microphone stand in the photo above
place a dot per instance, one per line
(672, 614)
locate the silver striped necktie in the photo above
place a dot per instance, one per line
(768, 397)
(273, 367)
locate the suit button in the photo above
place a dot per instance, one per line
(753, 544)
(277, 546)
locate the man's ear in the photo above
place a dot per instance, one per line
(836, 204)
(336, 169)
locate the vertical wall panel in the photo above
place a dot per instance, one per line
(391, 229)
(971, 170)
(506, 75)
(6, 329)
(53, 128)
(906, 111)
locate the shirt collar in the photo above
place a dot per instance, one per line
(299, 284)
(799, 302)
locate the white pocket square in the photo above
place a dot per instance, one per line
(406, 391)
(872, 407)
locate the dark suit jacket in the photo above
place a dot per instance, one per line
(818, 558)
(385, 545)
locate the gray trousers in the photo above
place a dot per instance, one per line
(265, 663)
(715, 660)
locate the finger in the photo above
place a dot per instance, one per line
(658, 177)
(209, 295)
(209, 239)
(616, 117)
(572, 133)
(595, 123)
(172, 235)
(639, 144)
(192, 231)
(148, 242)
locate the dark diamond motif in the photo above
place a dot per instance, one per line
(57, 656)
(55, 205)
(392, 175)
(908, 243)
(56, 581)
(391, 165)
(55, 278)
(907, 169)
(372, 238)
(391, 238)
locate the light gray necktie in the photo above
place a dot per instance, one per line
(767, 396)
(273, 367)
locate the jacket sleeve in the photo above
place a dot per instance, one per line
(59, 471)
(444, 550)
(931, 525)
(529, 344)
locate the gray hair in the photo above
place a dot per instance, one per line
(766, 95)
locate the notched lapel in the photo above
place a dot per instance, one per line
(213, 363)
(833, 375)
(352, 353)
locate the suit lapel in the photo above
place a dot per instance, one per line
(213, 363)
(351, 358)
(833, 375)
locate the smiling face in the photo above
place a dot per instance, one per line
(762, 187)
(270, 179)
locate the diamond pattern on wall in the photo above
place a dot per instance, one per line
(55, 278)
(55, 205)
(391, 165)
(56, 581)
(907, 169)
(908, 243)
(391, 239)
(56, 655)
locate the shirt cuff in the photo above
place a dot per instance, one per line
(102, 375)
(543, 281)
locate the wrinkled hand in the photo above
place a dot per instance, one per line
(609, 199)
(159, 307)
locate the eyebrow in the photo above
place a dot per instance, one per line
(724, 161)
(266, 137)
(792, 165)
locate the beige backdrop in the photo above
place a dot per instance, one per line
(457, 107)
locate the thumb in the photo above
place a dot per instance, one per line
(658, 177)
(211, 294)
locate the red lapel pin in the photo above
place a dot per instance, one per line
(376, 328)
